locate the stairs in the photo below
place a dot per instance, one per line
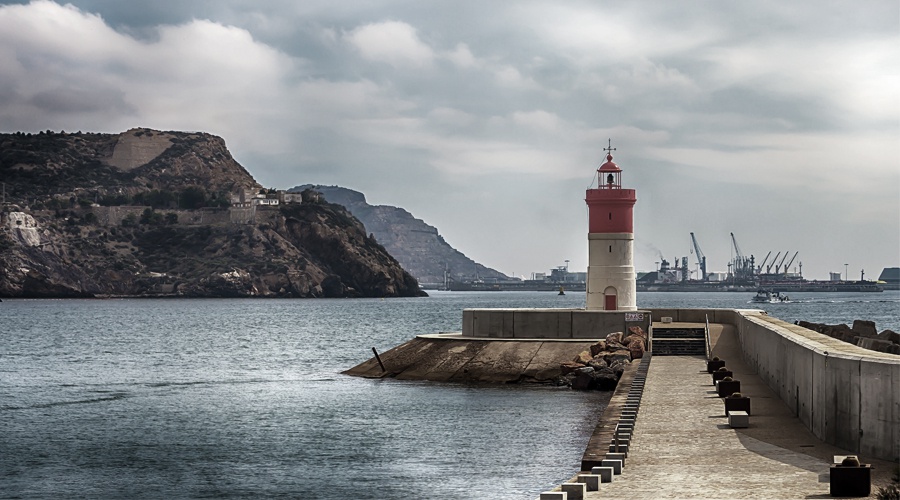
(678, 341)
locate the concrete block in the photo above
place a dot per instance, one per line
(623, 434)
(574, 491)
(616, 456)
(738, 419)
(623, 447)
(605, 473)
(592, 481)
(553, 495)
(615, 464)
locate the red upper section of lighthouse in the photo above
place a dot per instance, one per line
(609, 166)
(610, 208)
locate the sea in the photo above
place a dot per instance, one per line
(243, 398)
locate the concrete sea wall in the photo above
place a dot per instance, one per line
(846, 395)
(550, 323)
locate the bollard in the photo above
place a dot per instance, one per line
(621, 448)
(592, 481)
(616, 456)
(605, 473)
(574, 491)
(615, 464)
(553, 495)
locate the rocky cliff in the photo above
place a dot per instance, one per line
(149, 213)
(418, 247)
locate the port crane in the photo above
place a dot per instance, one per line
(759, 269)
(778, 266)
(701, 259)
(741, 267)
(769, 267)
(788, 266)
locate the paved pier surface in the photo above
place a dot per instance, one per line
(683, 447)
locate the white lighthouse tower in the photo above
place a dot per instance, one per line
(611, 284)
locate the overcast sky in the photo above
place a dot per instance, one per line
(777, 121)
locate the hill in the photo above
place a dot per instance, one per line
(418, 247)
(150, 213)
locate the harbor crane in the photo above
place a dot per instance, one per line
(759, 269)
(769, 267)
(778, 266)
(701, 259)
(788, 266)
(742, 267)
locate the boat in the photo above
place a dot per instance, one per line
(767, 297)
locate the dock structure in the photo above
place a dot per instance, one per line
(682, 445)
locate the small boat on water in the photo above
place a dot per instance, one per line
(767, 297)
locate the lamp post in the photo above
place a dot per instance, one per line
(845, 272)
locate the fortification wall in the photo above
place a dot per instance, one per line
(113, 216)
(846, 395)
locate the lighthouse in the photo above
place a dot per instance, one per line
(610, 278)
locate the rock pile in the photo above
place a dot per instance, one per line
(601, 367)
(862, 334)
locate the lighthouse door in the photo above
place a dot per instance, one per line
(610, 302)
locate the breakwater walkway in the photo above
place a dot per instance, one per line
(683, 447)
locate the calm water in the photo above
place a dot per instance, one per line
(243, 398)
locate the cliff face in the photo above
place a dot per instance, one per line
(41, 167)
(185, 238)
(416, 245)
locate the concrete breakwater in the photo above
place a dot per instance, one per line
(450, 357)
(845, 395)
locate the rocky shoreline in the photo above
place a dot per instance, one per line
(601, 366)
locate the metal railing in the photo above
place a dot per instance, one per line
(708, 347)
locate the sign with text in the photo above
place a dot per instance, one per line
(634, 316)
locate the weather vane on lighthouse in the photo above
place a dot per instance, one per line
(609, 149)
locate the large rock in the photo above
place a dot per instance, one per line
(614, 338)
(584, 357)
(583, 379)
(636, 346)
(865, 328)
(605, 379)
(874, 344)
(569, 367)
(623, 355)
(598, 348)
(598, 364)
(890, 336)
(633, 332)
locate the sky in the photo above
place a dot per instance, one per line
(776, 121)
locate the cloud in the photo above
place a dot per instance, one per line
(393, 42)
(460, 118)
